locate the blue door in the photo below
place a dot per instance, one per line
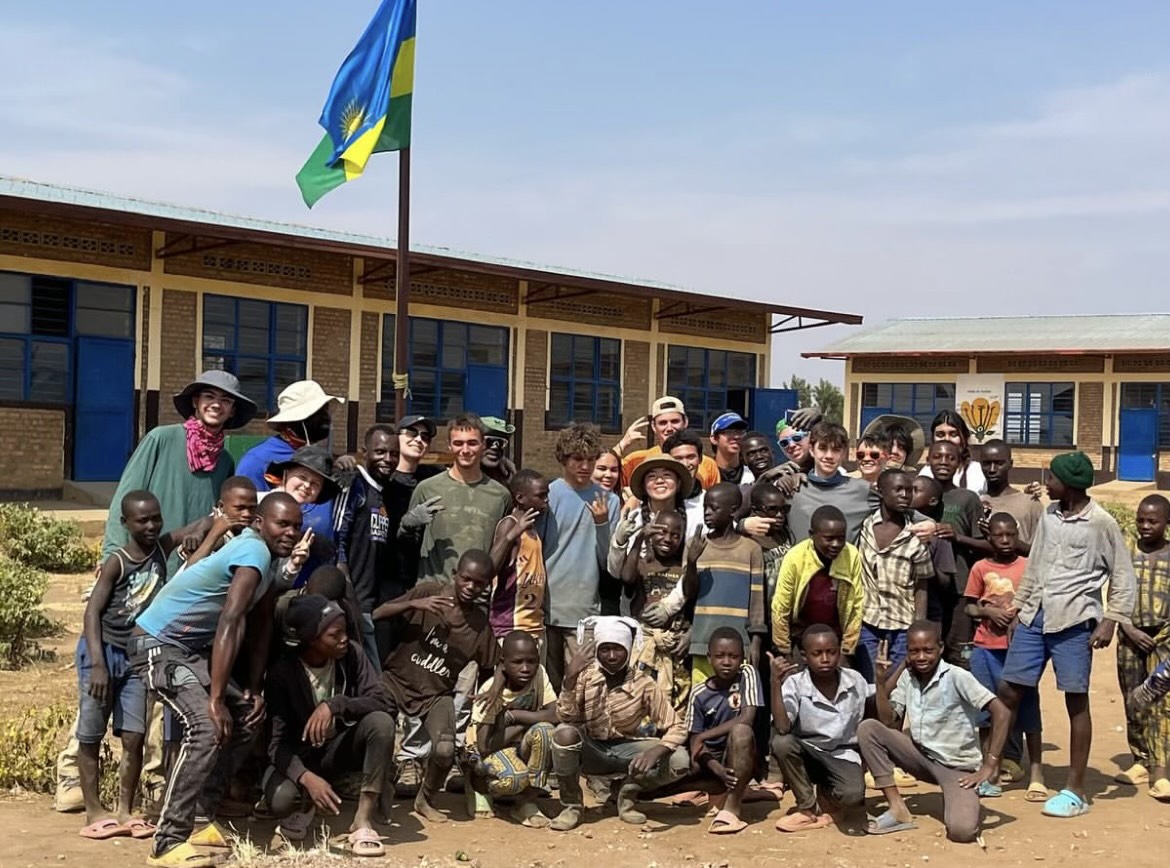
(1137, 450)
(487, 390)
(103, 428)
(768, 407)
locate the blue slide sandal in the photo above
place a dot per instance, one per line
(1066, 804)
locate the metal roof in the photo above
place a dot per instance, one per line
(1095, 333)
(21, 193)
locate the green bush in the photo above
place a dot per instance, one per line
(41, 541)
(29, 744)
(1125, 516)
(22, 620)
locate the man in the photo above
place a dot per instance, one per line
(497, 440)
(302, 418)
(996, 460)
(667, 416)
(727, 432)
(185, 646)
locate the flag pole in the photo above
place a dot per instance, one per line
(402, 287)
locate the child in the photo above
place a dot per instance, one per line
(518, 558)
(721, 719)
(725, 579)
(941, 705)
(1078, 548)
(1144, 644)
(1152, 690)
(237, 504)
(769, 514)
(990, 597)
(962, 511)
(511, 730)
(325, 581)
(895, 570)
(126, 584)
(828, 485)
(820, 583)
(614, 720)
(655, 575)
(928, 502)
(607, 473)
(873, 454)
(816, 710)
(445, 627)
(329, 716)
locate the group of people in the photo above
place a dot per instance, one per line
(693, 619)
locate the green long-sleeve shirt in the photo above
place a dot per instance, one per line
(159, 465)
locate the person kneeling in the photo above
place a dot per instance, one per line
(942, 705)
(511, 730)
(816, 711)
(330, 715)
(722, 717)
(614, 721)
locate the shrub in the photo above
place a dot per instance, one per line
(29, 744)
(22, 621)
(41, 541)
(1125, 516)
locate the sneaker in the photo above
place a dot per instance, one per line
(409, 778)
(68, 799)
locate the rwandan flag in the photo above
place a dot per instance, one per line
(368, 108)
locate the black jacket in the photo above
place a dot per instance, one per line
(290, 704)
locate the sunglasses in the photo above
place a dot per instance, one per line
(871, 454)
(790, 440)
(415, 434)
(500, 443)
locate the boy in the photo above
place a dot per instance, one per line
(126, 585)
(667, 416)
(445, 627)
(518, 591)
(995, 457)
(511, 730)
(725, 579)
(990, 599)
(1144, 644)
(237, 505)
(820, 583)
(614, 721)
(575, 535)
(727, 433)
(941, 705)
(362, 528)
(721, 719)
(687, 448)
(329, 716)
(928, 502)
(827, 485)
(895, 570)
(757, 453)
(962, 511)
(816, 710)
(1078, 548)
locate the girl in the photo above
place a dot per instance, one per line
(659, 485)
(308, 478)
(949, 425)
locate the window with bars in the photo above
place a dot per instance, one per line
(1156, 395)
(1039, 414)
(263, 343)
(702, 378)
(584, 381)
(920, 401)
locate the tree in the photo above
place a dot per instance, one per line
(831, 401)
(804, 391)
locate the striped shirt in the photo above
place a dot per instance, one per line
(889, 576)
(636, 708)
(731, 590)
(1152, 608)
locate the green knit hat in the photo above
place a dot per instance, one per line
(1074, 469)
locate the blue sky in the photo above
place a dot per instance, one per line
(892, 159)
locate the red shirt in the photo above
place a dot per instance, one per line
(820, 603)
(996, 583)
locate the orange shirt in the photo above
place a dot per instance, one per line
(708, 474)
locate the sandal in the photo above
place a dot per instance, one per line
(529, 814)
(1037, 792)
(988, 790)
(139, 828)
(802, 821)
(103, 830)
(1134, 776)
(1160, 790)
(1066, 804)
(181, 856)
(366, 842)
(210, 835)
(888, 824)
(726, 823)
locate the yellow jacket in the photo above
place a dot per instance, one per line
(799, 566)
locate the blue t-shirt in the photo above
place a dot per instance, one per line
(186, 611)
(712, 707)
(575, 550)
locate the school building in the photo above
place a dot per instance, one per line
(1045, 384)
(109, 305)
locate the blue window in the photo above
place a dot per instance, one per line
(454, 367)
(1156, 395)
(585, 382)
(263, 343)
(920, 401)
(1039, 414)
(702, 379)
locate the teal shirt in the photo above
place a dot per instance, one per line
(159, 465)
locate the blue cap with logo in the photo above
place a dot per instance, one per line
(728, 420)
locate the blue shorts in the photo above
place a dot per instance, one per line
(1069, 650)
(987, 667)
(127, 696)
(867, 649)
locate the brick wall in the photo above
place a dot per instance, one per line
(82, 241)
(733, 325)
(1090, 438)
(596, 308)
(538, 443)
(1040, 368)
(636, 398)
(264, 265)
(910, 365)
(177, 351)
(368, 385)
(331, 350)
(144, 361)
(32, 452)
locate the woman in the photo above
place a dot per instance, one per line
(949, 425)
(872, 455)
(607, 473)
(308, 478)
(794, 444)
(658, 484)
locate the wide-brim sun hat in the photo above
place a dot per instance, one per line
(658, 462)
(907, 424)
(245, 410)
(314, 458)
(299, 401)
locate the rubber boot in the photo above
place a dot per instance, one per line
(627, 804)
(567, 765)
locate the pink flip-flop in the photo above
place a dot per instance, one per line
(103, 830)
(726, 823)
(140, 829)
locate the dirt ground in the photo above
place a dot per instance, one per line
(1125, 825)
